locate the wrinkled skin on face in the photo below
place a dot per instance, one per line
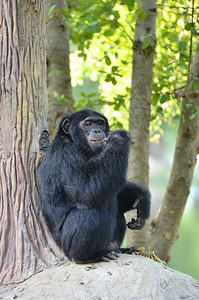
(94, 131)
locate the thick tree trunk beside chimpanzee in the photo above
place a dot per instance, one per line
(58, 69)
(25, 243)
(140, 104)
(164, 229)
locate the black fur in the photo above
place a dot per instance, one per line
(84, 193)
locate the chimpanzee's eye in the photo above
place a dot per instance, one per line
(100, 123)
(88, 123)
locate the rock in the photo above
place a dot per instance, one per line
(130, 277)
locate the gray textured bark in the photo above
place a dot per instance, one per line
(166, 225)
(141, 92)
(58, 70)
(25, 243)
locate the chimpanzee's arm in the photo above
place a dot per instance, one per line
(135, 196)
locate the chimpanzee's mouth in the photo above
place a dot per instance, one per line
(97, 141)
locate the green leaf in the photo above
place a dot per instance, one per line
(194, 31)
(65, 12)
(83, 94)
(182, 64)
(144, 46)
(108, 32)
(157, 87)
(152, 117)
(55, 72)
(159, 110)
(129, 3)
(81, 102)
(117, 106)
(195, 85)
(107, 60)
(188, 26)
(52, 8)
(62, 99)
(191, 26)
(188, 105)
(114, 81)
(124, 62)
(169, 70)
(184, 57)
(91, 95)
(108, 78)
(155, 99)
(102, 71)
(176, 117)
(141, 15)
(82, 54)
(139, 4)
(182, 45)
(114, 69)
(164, 98)
(128, 89)
(193, 116)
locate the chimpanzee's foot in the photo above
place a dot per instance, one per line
(129, 250)
(111, 255)
(113, 246)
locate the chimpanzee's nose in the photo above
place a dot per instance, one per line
(97, 130)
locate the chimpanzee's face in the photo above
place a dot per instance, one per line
(86, 126)
(94, 128)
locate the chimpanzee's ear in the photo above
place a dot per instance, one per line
(65, 126)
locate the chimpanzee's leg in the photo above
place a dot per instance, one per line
(86, 235)
(120, 229)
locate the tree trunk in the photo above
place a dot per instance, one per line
(141, 92)
(25, 243)
(59, 80)
(166, 225)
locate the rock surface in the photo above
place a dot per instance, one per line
(129, 277)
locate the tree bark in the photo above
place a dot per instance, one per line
(58, 70)
(164, 229)
(140, 104)
(25, 243)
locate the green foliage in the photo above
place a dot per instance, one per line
(148, 43)
(107, 60)
(83, 20)
(90, 100)
(102, 35)
(55, 72)
(196, 114)
(141, 15)
(63, 99)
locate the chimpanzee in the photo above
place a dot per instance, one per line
(83, 188)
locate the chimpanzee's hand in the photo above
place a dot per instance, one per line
(118, 135)
(118, 138)
(136, 224)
